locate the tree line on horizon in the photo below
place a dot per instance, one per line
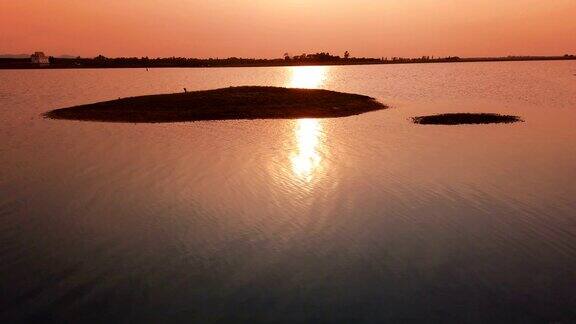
(287, 59)
(320, 57)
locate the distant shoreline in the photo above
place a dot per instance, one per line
(144, 63)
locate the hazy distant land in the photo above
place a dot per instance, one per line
(66, 62)
(223, 104)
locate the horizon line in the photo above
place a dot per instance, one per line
(70, 56)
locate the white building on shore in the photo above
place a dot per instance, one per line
(39, 58)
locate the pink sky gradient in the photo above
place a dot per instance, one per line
(268, 28)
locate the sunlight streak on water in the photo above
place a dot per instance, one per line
(306, 158)
(310, 77)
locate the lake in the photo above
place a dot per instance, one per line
(368, 218)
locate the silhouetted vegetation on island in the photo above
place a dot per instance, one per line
(465, 118)
(223, 104)
(322, 58)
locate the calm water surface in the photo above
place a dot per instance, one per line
(367, 218)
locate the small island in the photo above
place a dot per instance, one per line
(465, 118)
(247, 102)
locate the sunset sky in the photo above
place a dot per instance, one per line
(268, 28)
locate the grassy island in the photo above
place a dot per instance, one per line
(465, 118)
(249, 102)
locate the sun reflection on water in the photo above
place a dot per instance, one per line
(306, 155)
(307, 76)
(306, 158)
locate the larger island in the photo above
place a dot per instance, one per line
(248, 102)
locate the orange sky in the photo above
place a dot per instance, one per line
(268, 28)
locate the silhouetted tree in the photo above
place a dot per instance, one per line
(346, 55)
